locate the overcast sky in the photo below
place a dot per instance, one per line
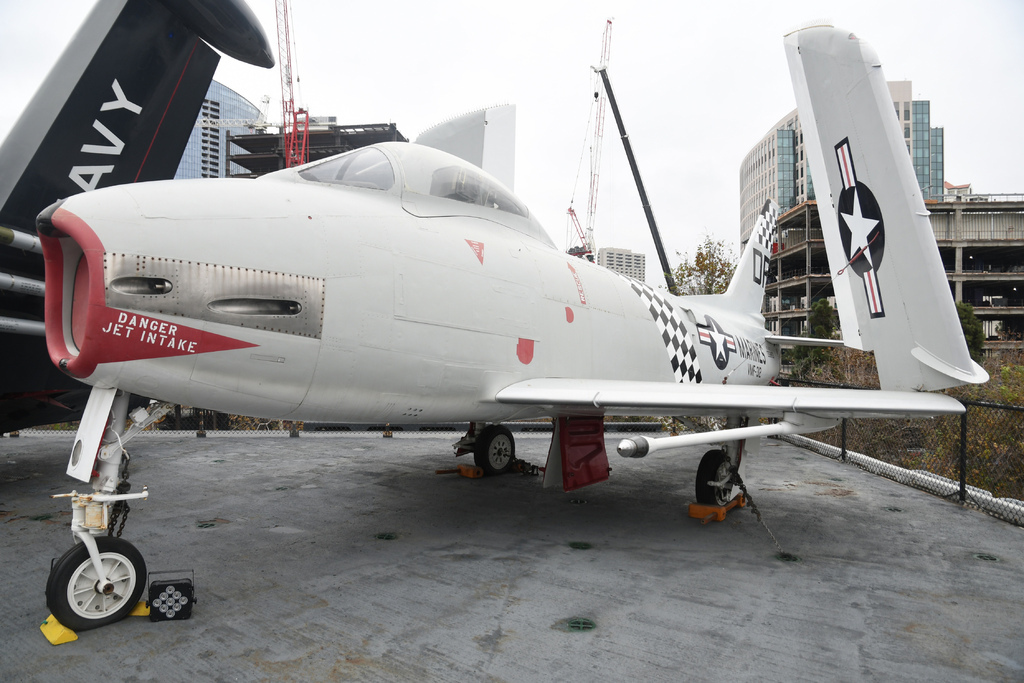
(698, 85)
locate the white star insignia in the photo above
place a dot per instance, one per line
(859, 228)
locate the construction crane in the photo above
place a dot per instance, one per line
(294, 122)
(644, 201)
(258, 123)
(586, 246)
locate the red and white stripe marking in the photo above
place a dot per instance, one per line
(845, 159)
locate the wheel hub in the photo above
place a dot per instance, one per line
(723, 489)
(500, 453)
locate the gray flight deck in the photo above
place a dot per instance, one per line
(480, 582)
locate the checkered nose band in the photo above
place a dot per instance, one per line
(681, 353)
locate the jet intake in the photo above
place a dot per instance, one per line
(73, 257)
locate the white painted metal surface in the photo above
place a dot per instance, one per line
(874, 217)
(423, 290)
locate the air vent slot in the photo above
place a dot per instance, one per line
(142, 285)
(248, 306)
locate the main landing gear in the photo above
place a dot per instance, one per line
(718, 470)
(100, 579)
(714, 478)
(493, 448)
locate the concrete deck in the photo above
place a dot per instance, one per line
(479, 583)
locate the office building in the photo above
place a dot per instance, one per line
(623, 261)
(777, 168)
(206, 154)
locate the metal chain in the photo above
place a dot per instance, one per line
(753, 508)
(121, 507)
(524, 468)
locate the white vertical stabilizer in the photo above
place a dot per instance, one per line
(889, 282)
(746, 289)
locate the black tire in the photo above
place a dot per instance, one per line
(494, 450)
(70, 593)
(713, 467)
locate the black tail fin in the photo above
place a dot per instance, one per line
(117, 108)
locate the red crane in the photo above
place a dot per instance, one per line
(295, 122)
(586, 247)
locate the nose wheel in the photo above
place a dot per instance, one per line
(80, 600)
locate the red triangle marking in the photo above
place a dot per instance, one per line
(478, 249)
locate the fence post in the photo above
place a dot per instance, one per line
(842, 454)
(963, 456)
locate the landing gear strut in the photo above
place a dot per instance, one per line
(100, 579)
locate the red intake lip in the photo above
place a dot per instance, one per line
(73, 256)
(81, 330)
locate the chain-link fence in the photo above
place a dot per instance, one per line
(976, 458)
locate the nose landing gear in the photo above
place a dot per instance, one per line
(100, 579)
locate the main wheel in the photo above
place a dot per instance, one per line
(494, 450)
(714, 466)
(78, 601)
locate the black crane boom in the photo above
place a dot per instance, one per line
(659, 247)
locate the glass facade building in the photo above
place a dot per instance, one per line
(920, 148)
(786, 169)
(937, 178)
(776, 167)
(205, 155)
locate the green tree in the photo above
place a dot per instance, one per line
(822, 325)
(710, 270)
(973, 332)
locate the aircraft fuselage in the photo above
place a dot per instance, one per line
(312, 301)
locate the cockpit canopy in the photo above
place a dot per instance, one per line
(432, 184)
(366, 167)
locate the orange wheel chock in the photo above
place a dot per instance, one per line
(465, 471)
(707, 513)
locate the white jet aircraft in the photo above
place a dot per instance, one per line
(415, 287)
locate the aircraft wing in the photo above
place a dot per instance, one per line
(623, 397)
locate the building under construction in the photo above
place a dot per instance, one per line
(262, 153)
(980, 240)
